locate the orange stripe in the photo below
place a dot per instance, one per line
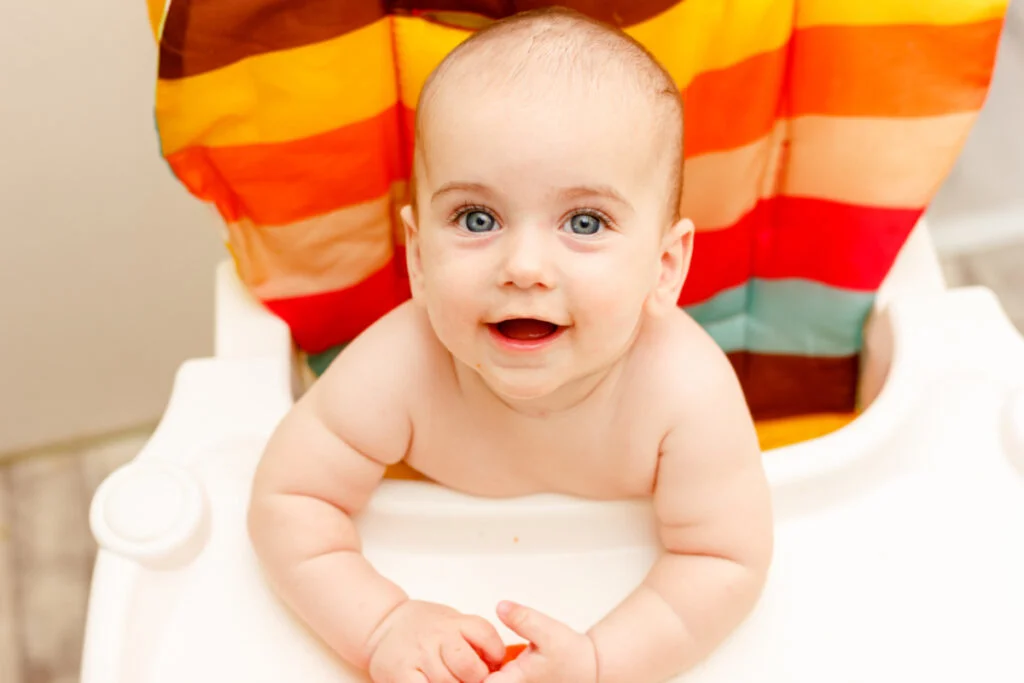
(892, 70)
(723, 111)
(879, 71)
(894, 162)
(329, 252)
(278, 184)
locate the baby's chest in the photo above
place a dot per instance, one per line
(602, 459)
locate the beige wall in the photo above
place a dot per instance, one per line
(106, 264)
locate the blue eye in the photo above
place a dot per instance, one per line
(477, 221)
(585, 224)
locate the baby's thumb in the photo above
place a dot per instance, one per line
(539, 629)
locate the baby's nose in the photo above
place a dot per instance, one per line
(528, 261)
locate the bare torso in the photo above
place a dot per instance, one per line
(606, 446)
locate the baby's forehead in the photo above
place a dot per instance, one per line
(562, 75)
(538, 57)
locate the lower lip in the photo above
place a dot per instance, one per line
(523, 344)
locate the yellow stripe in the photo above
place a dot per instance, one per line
(689, 38)
(157, 11)
(705, 35)
(791, 430)
(890, 163)
(296, 93)
(283, 95)
(420, 46)
(882, 12)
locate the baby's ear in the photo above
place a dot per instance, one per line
(676, 250)
(412, 251)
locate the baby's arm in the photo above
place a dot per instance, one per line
(319, 469)
(713, 506)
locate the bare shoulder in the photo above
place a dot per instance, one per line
(366, 395)
(711, 494)
(687, 370)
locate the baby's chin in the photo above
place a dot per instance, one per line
(520, 387)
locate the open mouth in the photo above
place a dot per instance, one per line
(526, 331)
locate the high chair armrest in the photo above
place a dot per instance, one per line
(155, 512)
(152, 510)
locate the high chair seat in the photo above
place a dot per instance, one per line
(900, 537)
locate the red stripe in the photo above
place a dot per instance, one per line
(320, 321)
(408, 127)
(722, 259)
(281, 183)
(840, 245)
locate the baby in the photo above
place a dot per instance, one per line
(543, 351)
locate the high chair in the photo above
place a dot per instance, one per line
(891, 409)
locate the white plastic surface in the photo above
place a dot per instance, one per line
(151, 511)
(900, 539)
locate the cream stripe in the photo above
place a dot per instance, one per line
(891, 163)
(316, 255)
(721, 187)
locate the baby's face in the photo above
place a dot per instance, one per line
(540, 233)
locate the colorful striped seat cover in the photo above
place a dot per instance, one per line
(817, 131)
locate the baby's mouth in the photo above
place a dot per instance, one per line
(525, 329)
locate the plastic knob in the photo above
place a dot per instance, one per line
(152, 512)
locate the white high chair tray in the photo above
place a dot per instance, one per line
(899, 556)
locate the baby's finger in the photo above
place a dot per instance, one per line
(536, 627)
(463, 661)
(509, 674)
(412, 677)
(482, 635)
(436, 671)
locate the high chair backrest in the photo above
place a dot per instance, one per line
(816, 133)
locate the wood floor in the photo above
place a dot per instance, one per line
(46, 551)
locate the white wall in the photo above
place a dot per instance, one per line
(106, 264)
(981, 205)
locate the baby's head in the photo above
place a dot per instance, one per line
(544, 227)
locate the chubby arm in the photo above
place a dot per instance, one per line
(713, 507)
(319, 470)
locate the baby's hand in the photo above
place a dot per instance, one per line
(557, 653)
(423, 642)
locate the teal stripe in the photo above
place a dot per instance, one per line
(795, 317)
(319, 362)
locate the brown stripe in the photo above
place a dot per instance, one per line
(783, 386)
(468, 13)
(203, 35)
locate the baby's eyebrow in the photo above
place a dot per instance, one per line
(460, 187)
(584, 191)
